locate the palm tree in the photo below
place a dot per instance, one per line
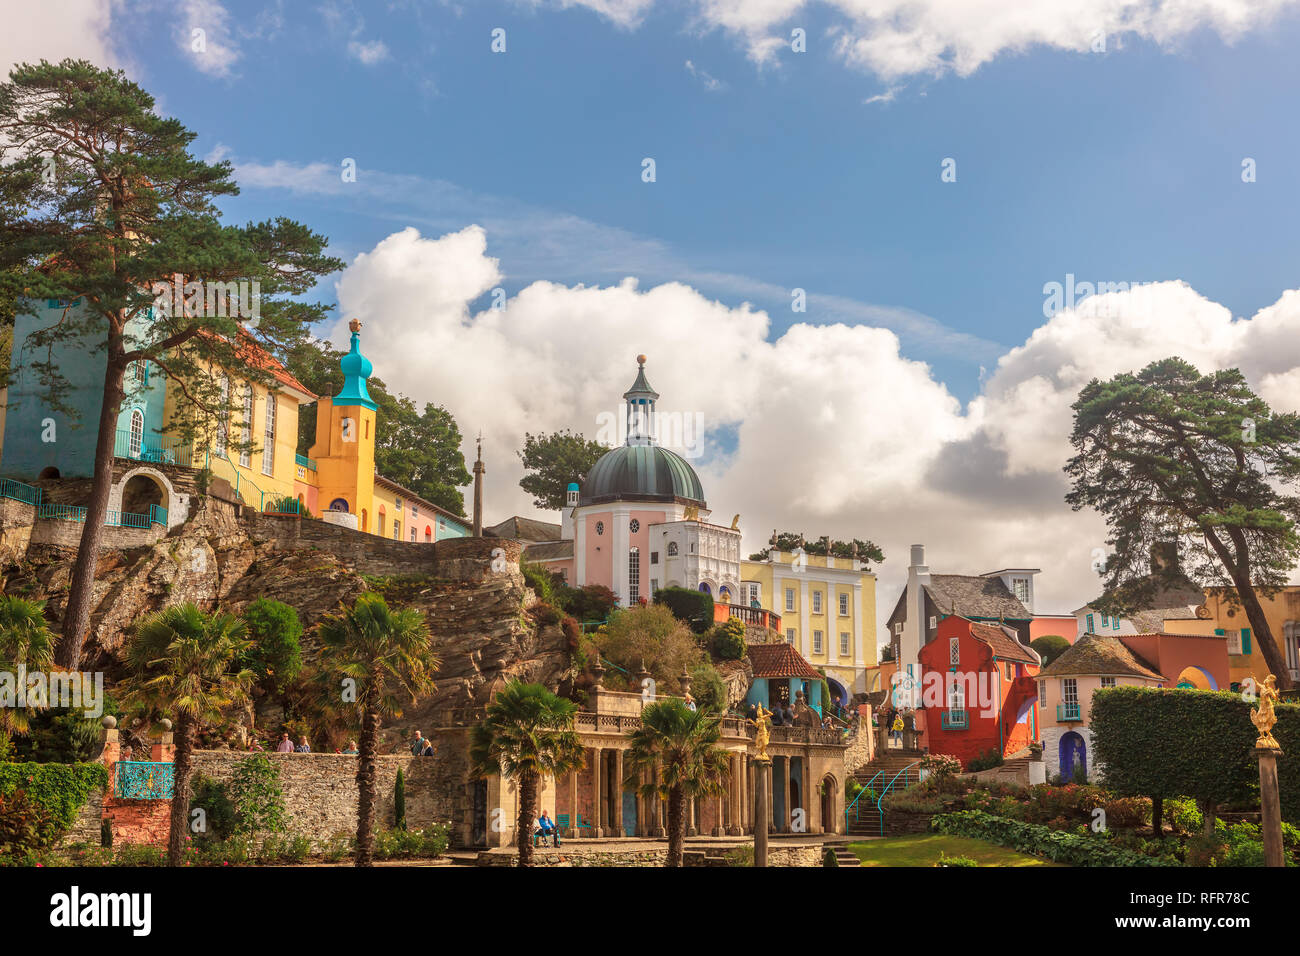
(377, 653)
(26, 645)
(679, 743)
(181, 660)
(527, 734)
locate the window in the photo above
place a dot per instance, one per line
(633, 576)
(634, 526)
(1042, 693)
(654, 586)
(1021, 588)
(1108, 682)
(1089, 628)
(1104, 620)
(415, 511)
(844, 605)
(1245, 640)
(412, 534)
(1234, 643)
(789, 599)
(934, 622)
(137, 432)
(268, 438)
(817, 602)
(672, 549)
(246, 428)
(954, 651)
(223, 418)
(397, 530)
(789, 635)
(600, 527)
(957, 696)
(135, 374)
(845, 639)
(1010, 670)
(1070, 692)
(817, 642)
(898, 628)
(398, 507)
(654, 557)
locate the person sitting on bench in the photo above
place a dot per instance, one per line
(546, 828)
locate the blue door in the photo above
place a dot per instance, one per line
(629, 813)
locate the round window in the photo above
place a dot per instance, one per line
(635, 526)
(600, 527)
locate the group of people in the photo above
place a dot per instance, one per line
(287, 746)
(893, 725)
(421, 746)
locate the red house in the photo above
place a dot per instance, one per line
(978, 689)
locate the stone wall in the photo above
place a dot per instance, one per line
(86, 829)
(861, 743)
(656, 856)
(16, 520)
(67, 534)
(898, 823)
(320, 790)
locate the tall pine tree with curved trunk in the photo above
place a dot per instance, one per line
(181, 663)
(102, 204)
(1174, 458)
(371, 657)
(677, 746)
(527, 734)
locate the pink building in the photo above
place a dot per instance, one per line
(639, 521)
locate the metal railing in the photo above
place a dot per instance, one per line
(143, 780)
(156, 449)
(954, 719)
(17, 491)
(305, 462)
(61, 512)
(1068, 712)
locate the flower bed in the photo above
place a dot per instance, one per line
(1055, 845)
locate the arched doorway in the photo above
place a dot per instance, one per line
(339, 504)
(704, 586)
(428, 533)
(837, 690)
(1196, 677)
(1074, 756)
(830, 822)
(365, 520)
(50, 472)
(140, 491)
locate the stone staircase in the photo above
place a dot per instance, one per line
(842, 853)
(864, 818)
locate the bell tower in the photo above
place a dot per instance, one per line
(344, 451)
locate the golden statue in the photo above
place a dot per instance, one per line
(1264, 717)
(692, 513)
(763, 725)
(735, 523)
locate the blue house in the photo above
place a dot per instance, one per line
(780, 673)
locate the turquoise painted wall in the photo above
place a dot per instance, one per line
(757, 692)
(27, 450)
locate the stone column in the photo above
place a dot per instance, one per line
(810, 804)
(736, 793)
(690, 817)
(785, 782)
(574, 830)
(598, 793)
(762, 809)
(618, 793)
(1270, 806)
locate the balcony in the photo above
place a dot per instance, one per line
(154, 449)
(755, 616)
(1067, 712)
(954, 719)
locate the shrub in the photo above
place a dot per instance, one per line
(543, 614)
(1050, 647)
(593, 602)
(693, 608)
(336, 847)
(1042, 841)
(708, 688)
(543, 582)
(39, 802)
(829, 858)
(946, 860)
(258, 800)
(651, 635)
(740, 856)
(729, 640)
(219, 817)
(275, 654)
(986, 760)
(941, 766)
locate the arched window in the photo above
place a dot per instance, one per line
(704, 586)
(672, 549)
(428, 533)
(339, 504)
(137, 432)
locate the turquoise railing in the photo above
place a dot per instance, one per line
(954, 719)
(868, 788)
(158, 515)
(143, 780)
(1068, 712)
(61, 512)
(305, 462)
(19, 491)
(906, 774)
(153, 448)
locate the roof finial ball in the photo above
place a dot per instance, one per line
(640, 360)
(355, 325)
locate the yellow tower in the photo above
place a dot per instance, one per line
(344, 451)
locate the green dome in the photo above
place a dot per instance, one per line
(641, 473)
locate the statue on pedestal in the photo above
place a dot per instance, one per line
(763, 725)
(1264, 717)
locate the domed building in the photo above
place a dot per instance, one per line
(640, 520)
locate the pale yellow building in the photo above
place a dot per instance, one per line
(828, 612)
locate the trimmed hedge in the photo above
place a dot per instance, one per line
(1056, 845)
(1165, 743)
(693, 608)
(54, 794)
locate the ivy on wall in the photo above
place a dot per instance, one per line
(39, 802)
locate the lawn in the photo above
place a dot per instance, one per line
(923, 849)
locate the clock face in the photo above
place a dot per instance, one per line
(635, 526)
(600, 527)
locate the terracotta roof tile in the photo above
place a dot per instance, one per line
(1102, 655)
(779, 660)
(1005, 647)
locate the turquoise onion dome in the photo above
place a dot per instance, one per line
(356, 370)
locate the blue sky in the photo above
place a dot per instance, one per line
(1123, 166)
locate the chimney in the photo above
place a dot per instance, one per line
(918, 578)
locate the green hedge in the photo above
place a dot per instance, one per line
(1162, 743)
(694, 608)
(55, 794)
(1056, 845)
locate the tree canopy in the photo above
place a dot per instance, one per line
(1171, 456)
(867, 551)
(552, 461)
